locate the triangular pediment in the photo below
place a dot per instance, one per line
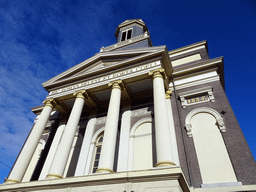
(101, 63)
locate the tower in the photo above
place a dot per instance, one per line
(136, 117)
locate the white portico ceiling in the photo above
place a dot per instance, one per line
(141, 86)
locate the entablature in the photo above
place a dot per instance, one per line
(93, 66)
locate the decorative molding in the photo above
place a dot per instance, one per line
(125, 43)
(104, 170)
(219, 119)
(158, 73)
(116, 84)
(207, 90)
(165, 164)
(221, 124)
(81, 94)
(50, 102)
(105, 78)
(188, 129)
(101, 120)
(168, 94)
(139, 112)
(54, 175)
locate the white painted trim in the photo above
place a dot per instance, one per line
(196, 79)
(207, 90)
(186, 51)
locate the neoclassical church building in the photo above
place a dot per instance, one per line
(136, 118)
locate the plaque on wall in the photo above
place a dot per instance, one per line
(196, 96)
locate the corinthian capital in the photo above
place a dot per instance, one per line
(168, 94)
(116, 85)
(81, 94)
(50, 102)
(158, 73)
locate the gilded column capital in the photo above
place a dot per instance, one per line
(81, 94)
(168, 94)
(157, 73)
(116, 84)
(50, 102)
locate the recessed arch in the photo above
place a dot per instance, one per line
(143, 124)
(214, 162)
(211, 111)
(138, 123)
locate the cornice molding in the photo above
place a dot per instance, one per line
(143, 53)
(197, 66)
(182, 49)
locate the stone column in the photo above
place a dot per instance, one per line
(52, 151)
(168, 94)
(109, 142)
(61, 156)
(31, 143)
(83, 156)
(123, 154)
(163, 139)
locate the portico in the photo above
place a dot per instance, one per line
(109, 90)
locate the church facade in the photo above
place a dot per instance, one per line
(136, 117)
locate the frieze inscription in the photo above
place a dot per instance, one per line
(107, 77)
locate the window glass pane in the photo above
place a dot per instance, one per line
(97, 153)
(98, 149)
(96, 163)
(129, 35)
(123, 36)
(101, 139)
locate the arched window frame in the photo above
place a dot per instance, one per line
(92, 151)
(219, 119)
(97, 151)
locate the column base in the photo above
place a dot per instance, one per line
(53, 176)
(165, 164)
(104, 170)
(11, 181)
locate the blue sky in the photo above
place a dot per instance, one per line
(40, 39)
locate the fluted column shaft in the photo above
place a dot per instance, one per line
(31, 143)
(162, 133)
(61, 156)
(109, 142)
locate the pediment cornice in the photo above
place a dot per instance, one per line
(112, 61)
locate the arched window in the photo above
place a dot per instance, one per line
(98, 146)
(205, 126)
